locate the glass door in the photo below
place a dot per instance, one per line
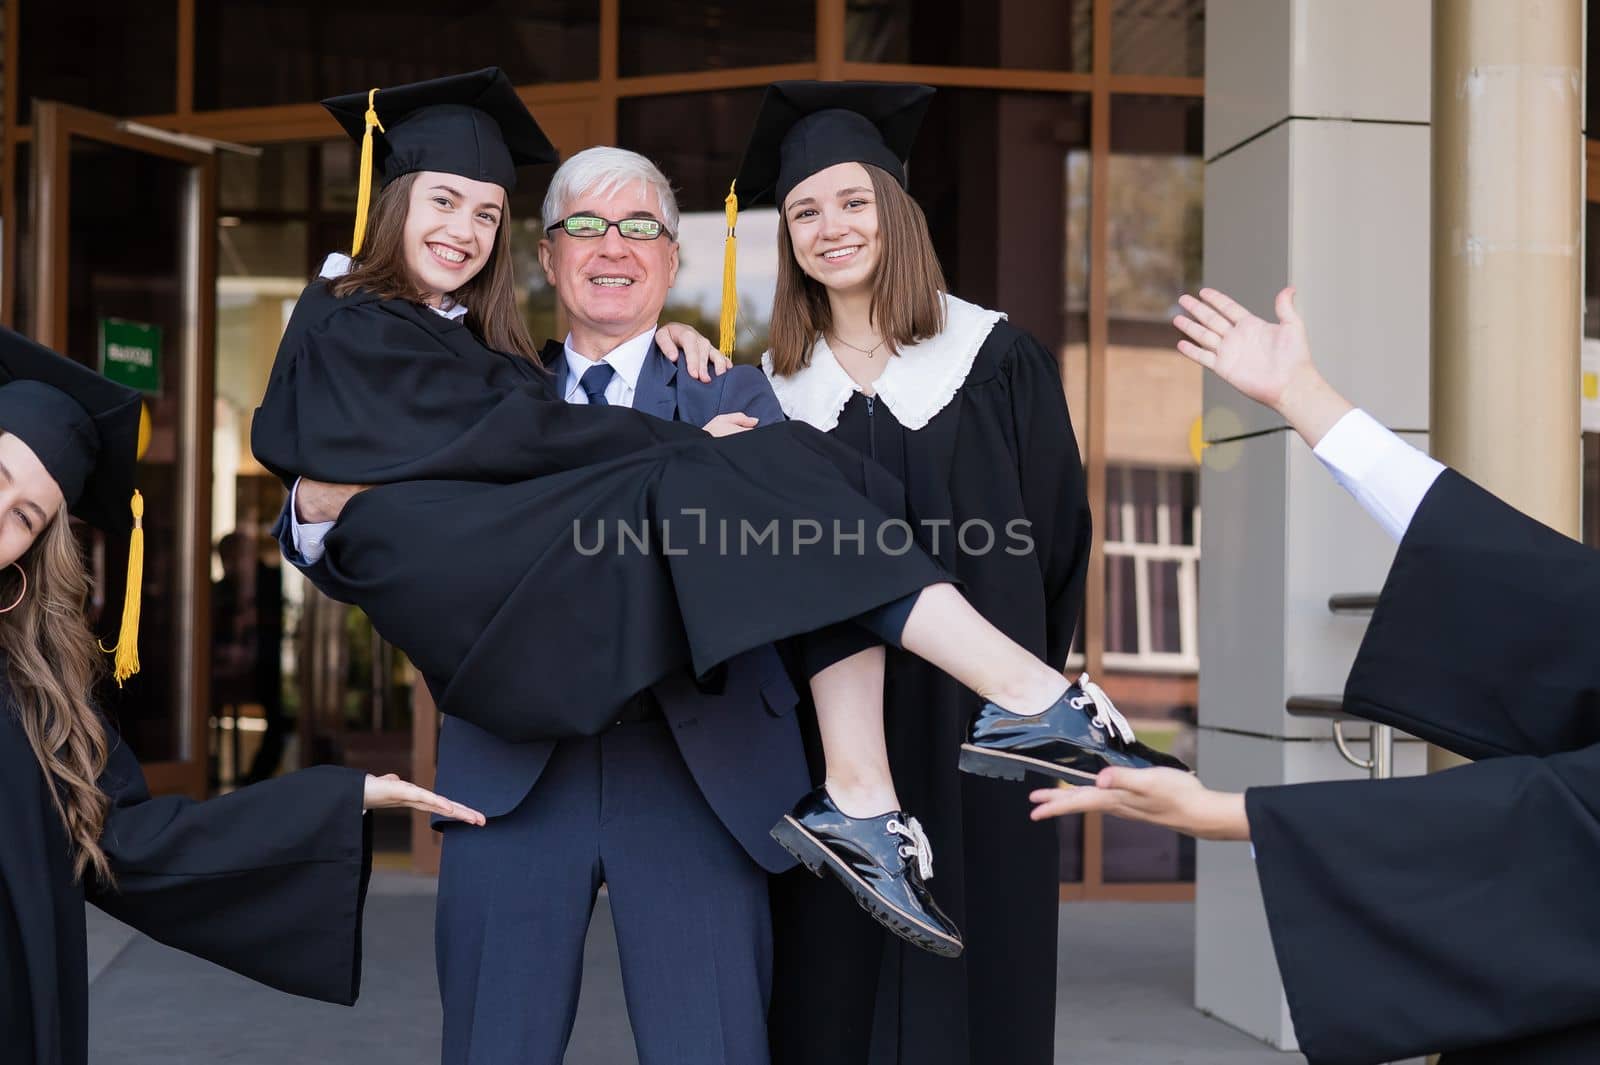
(121, 228)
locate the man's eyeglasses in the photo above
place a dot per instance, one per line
(590, 226)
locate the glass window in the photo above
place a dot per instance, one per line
(700, 169)
(1152, 570)
(105, 55)
(257, 603)
(254, 53)
(1591, 266)
(1153, 396)
(1004, 181)
(125, 250)
(1155, 193)
(1015, 34)
(669, 36)
(526, 218)
(275, 180)
(1163, 37)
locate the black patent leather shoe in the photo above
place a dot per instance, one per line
(1081, 734)
(883, 861)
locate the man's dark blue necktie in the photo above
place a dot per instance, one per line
(594, 381)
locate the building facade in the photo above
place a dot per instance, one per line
(166, 165)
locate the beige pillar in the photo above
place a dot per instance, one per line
(1507, 252)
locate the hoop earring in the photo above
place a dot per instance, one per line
(21, 594)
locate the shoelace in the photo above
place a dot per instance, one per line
(918, 847)
(1106, 714)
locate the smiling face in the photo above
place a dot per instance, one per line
(450, 228)
(833, 227)
(29, 498)
(611, 287)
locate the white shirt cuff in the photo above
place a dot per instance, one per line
(1386, 475)
(308, 536)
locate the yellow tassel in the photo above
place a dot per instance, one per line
(730, 293)
(364, 188)
(127, 649)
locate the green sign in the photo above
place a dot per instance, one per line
(130, 353)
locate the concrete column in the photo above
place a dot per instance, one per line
(1507, 249)
(1507, 252)
(1317, 149)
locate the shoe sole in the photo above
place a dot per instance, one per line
(809, 851)
(982, 762)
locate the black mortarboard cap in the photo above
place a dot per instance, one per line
(83, 427)
(474, 125)
(807, 126)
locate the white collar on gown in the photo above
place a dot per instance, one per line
(915, 385)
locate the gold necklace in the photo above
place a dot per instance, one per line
(868, 352)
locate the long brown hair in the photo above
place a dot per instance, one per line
(490, 297)
(52, 667)
(906, 285)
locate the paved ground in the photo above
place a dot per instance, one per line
(153, 1006)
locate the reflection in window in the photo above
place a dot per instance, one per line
(1007, 207)
(700, 169)
(672, 36)
(1155, 197)
(275, 180)
(535, 297)
(1152, 554)
(1016, 34)
(1159, 37)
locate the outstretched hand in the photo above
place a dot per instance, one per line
(1167, 797)
(390, 791)
(1270, 363)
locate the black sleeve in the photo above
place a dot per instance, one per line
(367, 396)
(268, 881)
(1484, 639)
(1434, 913)
(1053, 491)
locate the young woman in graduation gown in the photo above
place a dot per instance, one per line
(501, 547)
(1449, 913)
(967, 412)
(268, 881)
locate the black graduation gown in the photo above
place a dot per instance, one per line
(1001, 450)
(499, 509)
(1455, 912)
(268, 881)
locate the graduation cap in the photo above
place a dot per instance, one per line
(473, 125)
(84, 429)
(807, 126)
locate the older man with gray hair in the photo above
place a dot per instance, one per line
(671, 806)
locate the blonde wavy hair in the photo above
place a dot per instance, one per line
(52, 667)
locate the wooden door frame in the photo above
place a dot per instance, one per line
(54, 126)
